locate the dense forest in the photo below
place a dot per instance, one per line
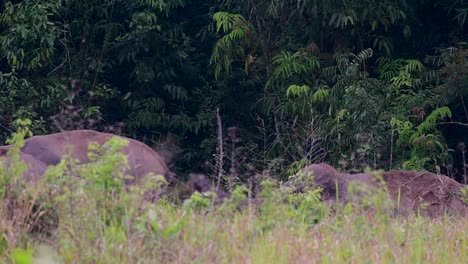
(235, 88)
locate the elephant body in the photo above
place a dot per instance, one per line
(45, 150)
(412, 191)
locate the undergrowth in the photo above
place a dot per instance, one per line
(86, 214)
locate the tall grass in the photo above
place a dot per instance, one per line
(85, 214)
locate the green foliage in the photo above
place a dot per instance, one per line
(296, 90)
(402, 73)
(428, 147)
(300, 79)
(30, 39)
(230, 47)
(22, 256)
(113, 49)
(236, 200)
(464, 194)
(376, 13)
(166, 224)
(293, 64)
(16, 167)
(355, 127)
(199, 200)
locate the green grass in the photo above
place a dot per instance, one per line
(216, 238)
(92, 219)
(134, 232)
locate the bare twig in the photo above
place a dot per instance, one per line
(453, 123)
(233, 173)
(56, 68)
(6, 128)
(464, 106)
(220, 148)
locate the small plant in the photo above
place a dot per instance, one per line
(200, 200)
(238, 197)
(310, 210)
(21, 256)
(464, 194)
(24, 207)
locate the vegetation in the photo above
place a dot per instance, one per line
(357, 83)
(83, 214)
(247, 92)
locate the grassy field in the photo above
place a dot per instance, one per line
(97, 229)
(84, 214)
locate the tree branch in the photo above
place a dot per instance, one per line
(453, 123)
(220, 148)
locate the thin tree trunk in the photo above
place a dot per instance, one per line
(220, 148)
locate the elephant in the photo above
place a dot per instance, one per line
(412, 191)
(45, 150)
